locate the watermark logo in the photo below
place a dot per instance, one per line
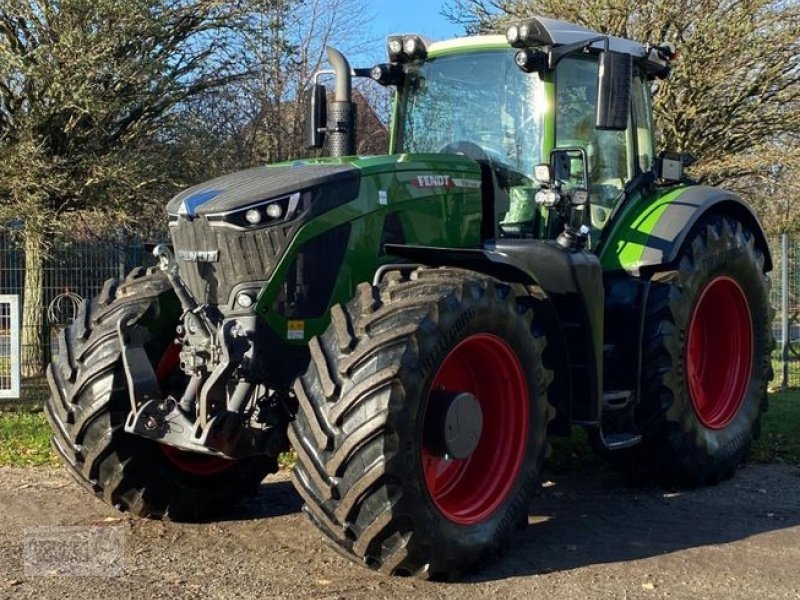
(81, 551)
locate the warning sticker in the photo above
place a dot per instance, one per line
(296, 330)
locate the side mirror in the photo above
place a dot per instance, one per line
(614, 91)
(570, 166)
(561, 165)
(316, 116)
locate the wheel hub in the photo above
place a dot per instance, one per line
(477, 408)
(454, 425)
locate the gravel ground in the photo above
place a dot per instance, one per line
(591, 535)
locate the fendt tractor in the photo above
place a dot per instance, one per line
(415, 325)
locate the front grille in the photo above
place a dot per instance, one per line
(243, 256)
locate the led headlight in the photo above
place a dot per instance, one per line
(530, 32)
(512, 34)
(258, 214)
(394, 47)
(543, 173)
(387, 74)
(414, 47)
(253, 216)
(548, 198)
(244, 300)
(406, 48)
(530, 60)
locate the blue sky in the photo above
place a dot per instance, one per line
(411, 16)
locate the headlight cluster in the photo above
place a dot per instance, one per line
(259, 214)
(406, 48)
(528, 33)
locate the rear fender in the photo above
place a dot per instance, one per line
(649, 236)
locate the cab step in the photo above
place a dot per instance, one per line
(620, 441)
(618, 422)
(617, 399)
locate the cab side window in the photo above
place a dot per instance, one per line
(642, 117)
(609, 153)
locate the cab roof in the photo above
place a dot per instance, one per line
(553, 33)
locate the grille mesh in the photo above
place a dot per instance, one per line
(243, 256)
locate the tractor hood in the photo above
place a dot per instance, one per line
(234, 231)
(256, 185)
(330, 181)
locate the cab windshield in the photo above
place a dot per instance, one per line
(474, 103)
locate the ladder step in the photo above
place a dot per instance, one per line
(617, 399)
(618, 441)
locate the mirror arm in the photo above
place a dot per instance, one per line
(559, 52)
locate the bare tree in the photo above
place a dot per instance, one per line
(260, 119)
(88, 97)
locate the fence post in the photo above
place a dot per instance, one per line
(784, 310)
(121, 258)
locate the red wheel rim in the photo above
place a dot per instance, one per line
(470, 490)
(719, 353)
(188, 462)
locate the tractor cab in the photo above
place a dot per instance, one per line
(548, 93)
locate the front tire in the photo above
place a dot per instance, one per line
(89, 402)
(373, 478)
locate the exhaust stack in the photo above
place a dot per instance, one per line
(341, 125)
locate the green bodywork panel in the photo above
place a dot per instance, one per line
(437, 199)
(632, 230)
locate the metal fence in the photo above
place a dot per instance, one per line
(78, 269)
(71, 271)
(786, 301)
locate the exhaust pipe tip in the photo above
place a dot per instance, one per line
(344, 80)
(341, 112)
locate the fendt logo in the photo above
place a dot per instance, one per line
(200, 256)
(429, 181)
(443, 181)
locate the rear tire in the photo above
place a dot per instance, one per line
(89, 403)
(706, 358)
(365, 467)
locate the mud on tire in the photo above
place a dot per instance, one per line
(362, 405)
(89, 402)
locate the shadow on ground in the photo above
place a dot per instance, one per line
(274, 499)
(599, 516)
(588, 518)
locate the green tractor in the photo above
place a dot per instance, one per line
(415, 325)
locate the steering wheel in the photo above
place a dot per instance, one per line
(471, 150)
